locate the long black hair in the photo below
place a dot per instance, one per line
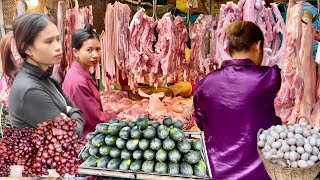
(82, 35)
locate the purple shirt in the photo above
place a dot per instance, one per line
(81, 88)
(231, 105)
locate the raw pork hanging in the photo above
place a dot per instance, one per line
(141, 55)
(115, 43)
(75, 18)
(255, 11)
(201, 65)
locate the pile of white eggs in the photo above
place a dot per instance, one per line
(295, 146)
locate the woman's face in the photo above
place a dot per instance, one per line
(89, 54)
(46, 49)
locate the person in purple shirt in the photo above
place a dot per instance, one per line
(79, 85)
(231, 105)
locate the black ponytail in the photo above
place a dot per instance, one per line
(82, 35)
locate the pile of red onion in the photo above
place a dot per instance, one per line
(16, 147)
(53, 145)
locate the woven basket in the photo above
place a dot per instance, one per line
(278, 172)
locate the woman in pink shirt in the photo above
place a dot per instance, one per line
(79, 85)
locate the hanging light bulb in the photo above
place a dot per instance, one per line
(32, 3)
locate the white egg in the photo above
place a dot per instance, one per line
(313, 158)
(316, 136)
(285, 127)
(267, 148)
(290, 135)
(310, 163)
(281, 163)
(283, 135)
(285, 148)
(303, 124)
(306, 133)
(290, 141)
(298, 130)
(276, 145)
(272, 127)
(294, 164)
(302, 164)
(309, 127)
(261, 144)
(263, 137)
(291, 128)
(308, 148)
(293, 156)
(268, 155)
(275, 135)
(293, 148)
(278, 129)
(315, 150)
(266, 132)
(273, 151)
(306, 141)
(296, 125)
(280, 154)
(313, 141)
(300, 150)
(299, 142)
(287, 155)
(319, 156)
(316, 129)
(298, 136)
(270, 140)
(305, 156)
(284, 142)
(318, 143)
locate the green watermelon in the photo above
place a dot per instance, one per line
(114, 163)
(144, 144)
(196, 144)
(103, 161)
(163, 132)
(186, 169)
(137, 154)
(173, 168)
(115, 152)
(155, 144)
(126, 154)
(184, 146)
(121, 143)
(167, 121)
(149, 133)
(132, 144)
(91, 135)
(123, 123)
(135, 133)
(176, 134)
(161, 155)
(192, 157)
(85, 154)
(168, 144)
(91, 161)
(136, 165)
(200, 169)
(142, 121)
(113, 120)
(155, 124)
(114, 129)
(178, 124)
(98, 140)
(125, 133)
(148, 166)
(102, 128)
(161, 168)
(105, 150)
(110, 140)
(149, 154)
(174, 155)
(125, 164)
(94, 151)
(132, 124)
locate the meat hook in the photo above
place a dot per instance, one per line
(154, 5)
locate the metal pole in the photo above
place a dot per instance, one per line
(2, 32)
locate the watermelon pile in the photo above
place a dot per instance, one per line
(141, 146)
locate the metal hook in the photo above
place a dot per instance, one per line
(154, 4)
